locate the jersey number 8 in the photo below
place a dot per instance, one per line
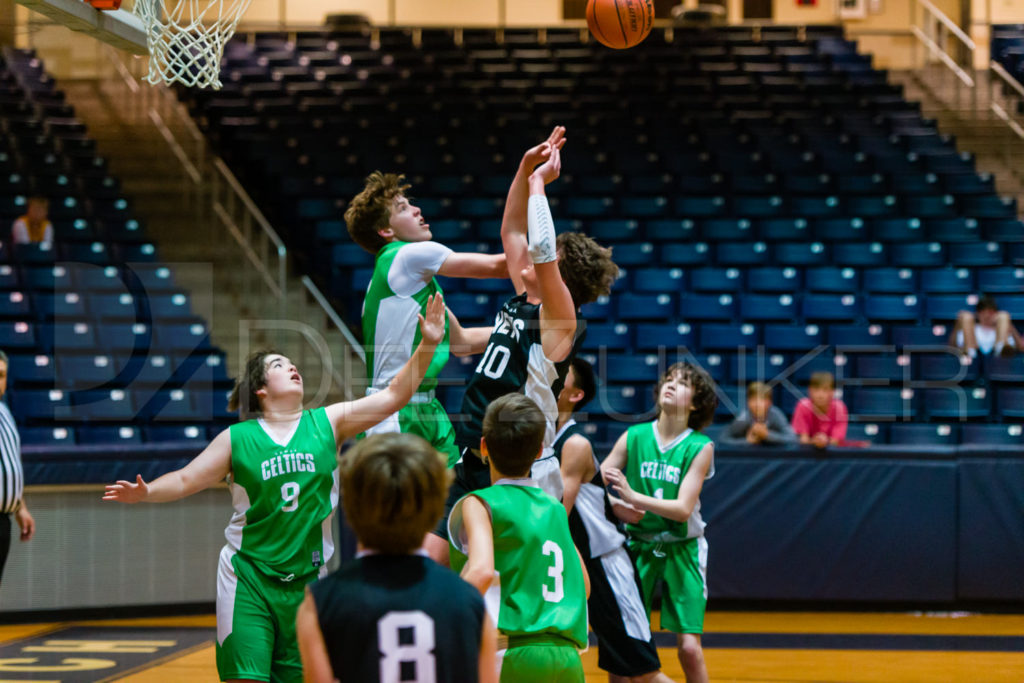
(419, 651)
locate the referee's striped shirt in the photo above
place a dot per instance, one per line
(12, 478)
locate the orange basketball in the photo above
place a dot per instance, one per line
(620, 23)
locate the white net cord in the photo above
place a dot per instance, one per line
(186, 38)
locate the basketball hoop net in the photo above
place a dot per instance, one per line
(186, 38)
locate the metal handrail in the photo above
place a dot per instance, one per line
(948, 23)
(934, 48)
(1007, 77)
(1014, 126)
(333, 315)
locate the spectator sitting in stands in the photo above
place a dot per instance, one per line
(820, 419)
(761, 423)
(34, 226)
(986, 331)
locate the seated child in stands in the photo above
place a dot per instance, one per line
(986, 331)
(34, 226)
(820, 419)
(761, 423)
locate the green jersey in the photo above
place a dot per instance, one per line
(540, 587)
(658, 470)
(284, 496)
(403, 280)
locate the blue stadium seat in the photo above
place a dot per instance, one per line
(614, 230)
(918, 255)
(989, 206)
(637, 254)
(597, 310)
(773, 279)
(832, 280)
(999, 280)
(958, 403)
(716, 280)
(722, 337)
(47, 278)
(883, 403)
(759, 307)
(619, 401)
(670, 230)
(757, 207)
(726, 230)
(1003, 229)
(743, 254)
(181, 337)
(645, 306)
(934, 336)
(830, 307)
(193, 434)
(670, 336)
(168, 405)
(109, 307)
(212, 405)
(919, 434)
(744, 368)
(839, 229)
(170, 306)
(18, 305)
(630, 368)
(471, 306)
(946, 306)
(610, 336)
(892, 308)
(991, 434)
(930, 206)
(66, 336)
(953, 230)
(84, 372)
(947, 281)
(481, 207)
(791, 337)
(871, 206)
(977, 254)
(889, 281)
(1009, 369)
(1010, 402)
(801, 254)
(90, 278)
(857, 336)
(693, 254)
(697, 307)
(782, 229)
(156, 277)
(814, 207)
(102, 405)
(897, 229)
(863, 254)
(699, 206)
(883, 366)
(124, 336)
(112, 434)
(643, 207)
(658, 280)
(946, 367)
(56, 437)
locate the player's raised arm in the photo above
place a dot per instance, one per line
(466, 341)
(681, 508)
(208, 468)
(557, 313)
(471, 265)
(514, 221)
(352, 417)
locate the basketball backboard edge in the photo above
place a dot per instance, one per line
(120, 28)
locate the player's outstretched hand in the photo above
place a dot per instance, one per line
(625, 512)
(432, 326)
(551, 168)
(541, 153)
(620, 485)
(126, 491)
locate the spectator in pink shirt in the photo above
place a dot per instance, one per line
(821, 418)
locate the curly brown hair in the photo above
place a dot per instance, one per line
(370, 210)
(704, 396)
(586, 267)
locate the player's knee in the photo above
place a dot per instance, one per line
(1002, 316)
(964, 317)
(689, 651)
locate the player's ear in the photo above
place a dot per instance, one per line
(483, 450)
(577, 396)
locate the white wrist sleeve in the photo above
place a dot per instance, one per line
(540, 230)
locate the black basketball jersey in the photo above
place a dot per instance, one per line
(514, 362)
(391, 618)
(592, 523)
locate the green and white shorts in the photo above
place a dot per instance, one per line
(256, 622)
(427, 419)
(682, 570)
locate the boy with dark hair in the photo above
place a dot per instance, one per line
(986, 331)
(511, 540)
(666, 462)
(537, 331)
(350, 625)
(626, 647)
(383, 221)
(761, 423)
(820, 419)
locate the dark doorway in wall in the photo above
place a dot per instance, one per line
(757, 9)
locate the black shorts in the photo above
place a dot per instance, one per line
(471, 474)
(619, 617)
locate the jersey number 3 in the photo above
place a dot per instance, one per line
(555, 572)
(418, 650)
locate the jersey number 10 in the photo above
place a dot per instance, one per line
(418, 652)
(495, 361)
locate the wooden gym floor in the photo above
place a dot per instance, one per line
(739, 646)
